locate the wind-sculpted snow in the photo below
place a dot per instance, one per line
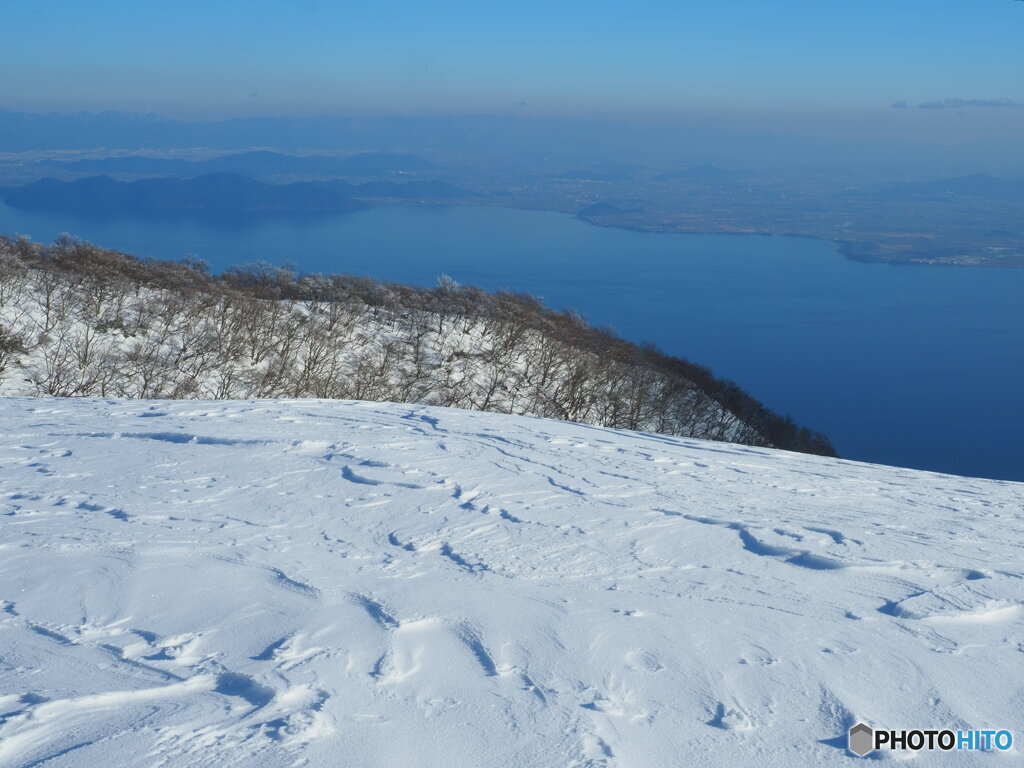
(323, 583)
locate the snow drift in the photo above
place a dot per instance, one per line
(341, 583)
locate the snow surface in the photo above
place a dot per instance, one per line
(330, 583)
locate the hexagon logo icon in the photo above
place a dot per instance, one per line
(861, 739)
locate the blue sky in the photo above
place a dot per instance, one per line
(729, 57)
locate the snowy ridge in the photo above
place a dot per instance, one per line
(102, 338)
(79, 321)
(329, 583)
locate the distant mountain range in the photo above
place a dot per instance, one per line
(220, 192)
(260, 163)
(507, 140)
(976, 185)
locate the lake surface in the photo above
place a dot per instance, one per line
(914, 366)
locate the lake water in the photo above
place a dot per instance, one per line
(914, 366)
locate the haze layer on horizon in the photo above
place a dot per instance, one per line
(940, 71)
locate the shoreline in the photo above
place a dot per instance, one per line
(853, 250)
(848, 249)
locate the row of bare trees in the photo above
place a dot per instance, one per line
(78, 320)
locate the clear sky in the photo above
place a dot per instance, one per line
(808, 59)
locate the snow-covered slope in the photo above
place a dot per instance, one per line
(80, 321)
(335, 583)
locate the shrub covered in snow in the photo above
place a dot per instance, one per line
(79, 320)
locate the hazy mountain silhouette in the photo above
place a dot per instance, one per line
(218, 191)
(260, 163)
(501, 138)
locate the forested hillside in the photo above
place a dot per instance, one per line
(79, 320)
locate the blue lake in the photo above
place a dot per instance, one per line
(914, 366)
